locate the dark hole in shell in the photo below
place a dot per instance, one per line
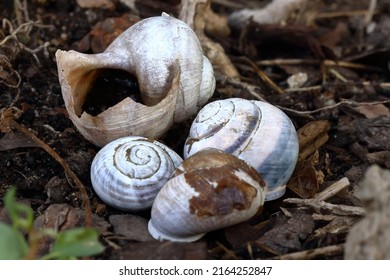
(110, 87)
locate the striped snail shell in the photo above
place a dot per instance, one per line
(208, 191)
(255, 131)
(128, 172)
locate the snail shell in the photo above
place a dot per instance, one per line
(208, 191)
(128, 172)
(254, 131)
(175, 79)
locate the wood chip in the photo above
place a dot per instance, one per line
(333, 189)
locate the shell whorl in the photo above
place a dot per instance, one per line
(174, 77)
(254, 131)
(128, 172)
(140, 47)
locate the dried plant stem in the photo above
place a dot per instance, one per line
(327, 251)
(333, 189)
(321, 206)
(84, 196)
(370, 12)
(327, 63)
(341, 103)
(251, 89)
(265, 78)
(342, 14)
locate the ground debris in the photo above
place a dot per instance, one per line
(370, 237)
(287, 234)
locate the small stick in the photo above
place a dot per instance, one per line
(8, 122)
(343, 102)
(313, 253)
(319, 206)
(332, 189)
(251, 89)
(327, 62)
(265, 78)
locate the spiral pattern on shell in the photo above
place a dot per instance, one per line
(128, 172)
(254, 131)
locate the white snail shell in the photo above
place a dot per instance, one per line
(208, 191)
(128, 172)
(175, 80)
(255, 131)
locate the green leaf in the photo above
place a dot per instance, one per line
(22, 216)
(12, 243)
(73, 243)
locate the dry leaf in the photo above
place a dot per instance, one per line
(287, 234)
(305, 180)
(15, 139)
(240, 234)
(311, 137)
(375, 133)
(382, 158)
(373, 111)
(104, 32)
(195, 13)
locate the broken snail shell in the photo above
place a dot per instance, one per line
(255, 131)
(128, 172)
(164, 56)
(208, 191)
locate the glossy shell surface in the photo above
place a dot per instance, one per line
(174, 77)
(255, 131)
(208, 191)
(128, 172)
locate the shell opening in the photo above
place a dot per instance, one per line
(107, 88)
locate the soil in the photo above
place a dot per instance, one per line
(347, 103)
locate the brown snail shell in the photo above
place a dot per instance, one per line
(208, 191)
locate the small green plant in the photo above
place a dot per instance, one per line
(20, 240)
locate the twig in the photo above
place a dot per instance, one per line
(327, 251)
(264, 77)
(230, 253)
(333, 189)
(327, 63)
(312, 88)
(7, 122)
(319, 206)
(331, 107)
(251, 89)
(370, 12)
(335, 73)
